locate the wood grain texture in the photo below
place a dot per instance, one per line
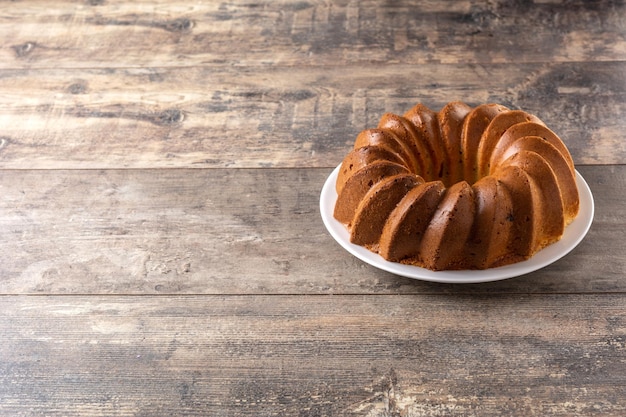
(411, 355)
(161, 248)
(233, 232)
(225, 118)
(287, 33)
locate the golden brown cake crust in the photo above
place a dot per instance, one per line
(404, 229)
(462, 188)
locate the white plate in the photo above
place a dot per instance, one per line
(573, 235)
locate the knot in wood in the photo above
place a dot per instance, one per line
(23, 49)
(169, 117)
(179, 25)
(79, 87)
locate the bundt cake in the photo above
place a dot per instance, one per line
(464, 188)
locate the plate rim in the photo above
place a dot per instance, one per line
(573, 235)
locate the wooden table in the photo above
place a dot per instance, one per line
(161, 247)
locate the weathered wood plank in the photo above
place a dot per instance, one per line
(160, 291)
(233, 232)
(293, 33)
(454, 355)
(225, 117)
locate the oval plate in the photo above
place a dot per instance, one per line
(574, 234)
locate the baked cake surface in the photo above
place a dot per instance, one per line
(462, 188)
